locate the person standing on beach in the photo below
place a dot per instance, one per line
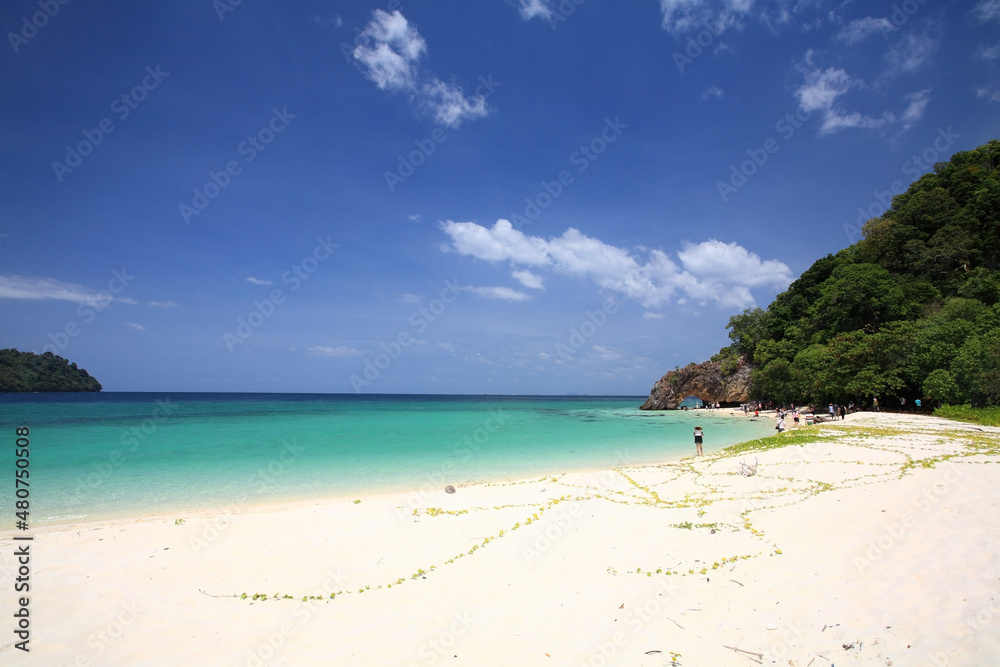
(875, 403)
(843, 412)
(698, 433)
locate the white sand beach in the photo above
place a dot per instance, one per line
(876, 545)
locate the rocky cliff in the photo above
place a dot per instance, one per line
(706, 381)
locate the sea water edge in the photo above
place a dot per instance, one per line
(117, 454)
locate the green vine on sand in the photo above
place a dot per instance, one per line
(954, 445)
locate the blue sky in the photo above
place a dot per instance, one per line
(508, 196)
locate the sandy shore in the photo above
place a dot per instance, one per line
(878, 544)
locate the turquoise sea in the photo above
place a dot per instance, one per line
(126, 454)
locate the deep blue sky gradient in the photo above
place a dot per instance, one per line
(654, 188)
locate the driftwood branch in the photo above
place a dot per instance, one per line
(740, 650)
(748, 470)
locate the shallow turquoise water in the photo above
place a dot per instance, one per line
(123, 454)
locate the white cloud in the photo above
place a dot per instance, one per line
(990, 94)
(502, 293)
(715, 260)
(713, 92)
(607, 353)
(987, 10)
(339, 351)
(819, 93)
(389, 52)
(915, 110)
(162, 304)
(910, 53)
(860, 29)
(535, 8)
(529, 279)
(652, 316)
(448, 105)
(710, 271)
(502, 242)
(26, 288)
(988, 53)
(686, 16)
(326, 21)
(822, 88)
(137, 327)
(258, 281)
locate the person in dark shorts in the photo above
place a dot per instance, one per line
(698, 434)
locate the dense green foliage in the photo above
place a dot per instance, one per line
(967, 413)
(910, 311)
(26, 371)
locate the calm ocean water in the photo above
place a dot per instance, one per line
(124, 454)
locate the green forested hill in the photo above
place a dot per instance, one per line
(910, 311)
(26, 371)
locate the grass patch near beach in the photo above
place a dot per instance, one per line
(967, 413)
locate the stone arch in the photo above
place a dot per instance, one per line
(705, 381)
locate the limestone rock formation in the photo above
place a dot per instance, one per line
(706, 381)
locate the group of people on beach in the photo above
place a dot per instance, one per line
(780, 424)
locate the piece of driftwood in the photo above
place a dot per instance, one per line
(748, 470)
(740, 650)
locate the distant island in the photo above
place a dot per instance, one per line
(30, 372)
(911, 311)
